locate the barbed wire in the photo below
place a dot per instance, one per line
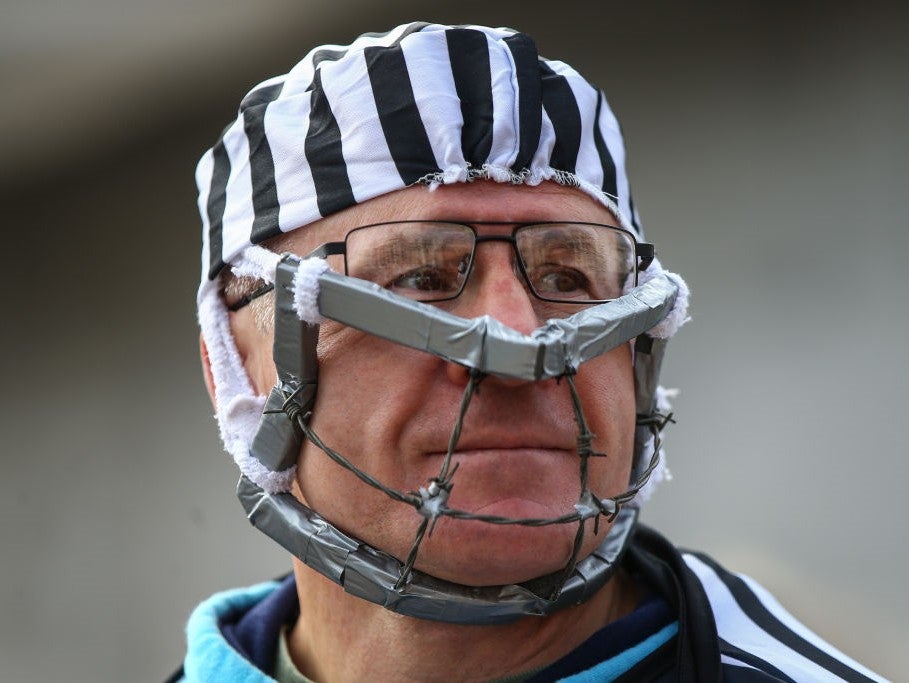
(431, 501)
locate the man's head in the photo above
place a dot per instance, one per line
(428, 123)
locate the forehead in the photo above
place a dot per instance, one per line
(482, 200)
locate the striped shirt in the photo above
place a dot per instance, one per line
(730, 628)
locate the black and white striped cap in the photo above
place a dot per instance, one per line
(422, 103)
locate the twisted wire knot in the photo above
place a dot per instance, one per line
(585, 445)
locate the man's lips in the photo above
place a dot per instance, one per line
(476, 441)
(518, 482)
(478, 451)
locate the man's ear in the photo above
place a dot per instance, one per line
(206, 371)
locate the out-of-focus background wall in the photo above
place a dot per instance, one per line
(768, 151)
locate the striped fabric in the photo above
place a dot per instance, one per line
(422, 103)
(756, 634)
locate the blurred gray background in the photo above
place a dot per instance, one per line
(768, 151)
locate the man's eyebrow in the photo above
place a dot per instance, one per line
(576, 244)
(371, 259)
(393, 245)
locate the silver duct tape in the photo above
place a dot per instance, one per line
(372, 309)
(647, 375)
(486, 344)
(370, 574)
(294, 349)
(277, 441)
(303, 533)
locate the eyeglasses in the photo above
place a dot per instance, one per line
(430, 260)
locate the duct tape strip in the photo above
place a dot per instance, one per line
(484, 343)
(370, 574)
(647, 367)
(277, 441)
(295, 342)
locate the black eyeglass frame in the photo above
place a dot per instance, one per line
(644, 252)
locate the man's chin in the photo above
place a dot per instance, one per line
(475, 553)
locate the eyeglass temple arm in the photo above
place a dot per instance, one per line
(646, 253)
(328, 249)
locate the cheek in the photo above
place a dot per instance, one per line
(255, 348)
(606, 388)
(363, 378)
(368, 391)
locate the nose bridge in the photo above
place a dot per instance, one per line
(497, 287)
(507, 248)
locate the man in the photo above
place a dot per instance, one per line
(432, 331)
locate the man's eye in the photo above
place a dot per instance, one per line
(424, 280)
(558, 281)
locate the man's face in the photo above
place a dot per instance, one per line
(390, 409)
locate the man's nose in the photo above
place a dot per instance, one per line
(495, 288)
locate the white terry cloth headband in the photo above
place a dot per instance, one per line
(422, 103)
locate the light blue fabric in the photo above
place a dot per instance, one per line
(209, 657)
(611, 669)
